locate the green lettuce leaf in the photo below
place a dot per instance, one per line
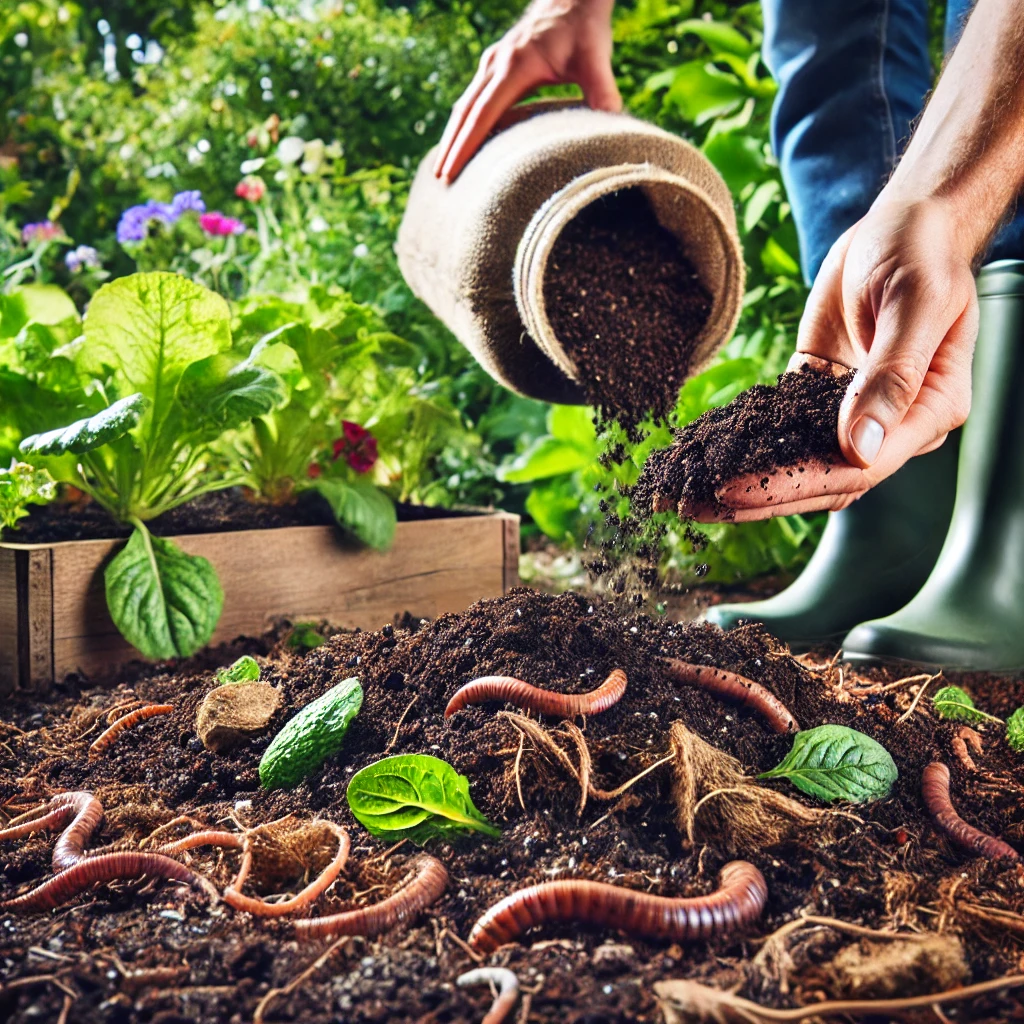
(83, 435)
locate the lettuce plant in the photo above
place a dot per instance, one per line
(132, 409)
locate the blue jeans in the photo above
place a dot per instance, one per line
(853, 76)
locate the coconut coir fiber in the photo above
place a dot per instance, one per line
(767, 428)
(627, 307)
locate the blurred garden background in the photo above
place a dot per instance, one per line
(266, 149)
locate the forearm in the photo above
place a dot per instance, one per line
(968, 150)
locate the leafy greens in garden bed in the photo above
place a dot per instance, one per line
(145, 405)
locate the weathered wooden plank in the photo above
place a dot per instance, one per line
(511, 541)
(9, 660)
(37, 674)
(306, 572)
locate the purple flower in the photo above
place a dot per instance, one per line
(82, 256)
(185, 201)
(134, 223)
(41, 231)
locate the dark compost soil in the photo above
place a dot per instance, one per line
(885, 868)
(626, 305)
(217, 512)
(762, 430)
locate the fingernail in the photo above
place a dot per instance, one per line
(867, 435)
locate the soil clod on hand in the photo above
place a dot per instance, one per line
(766, 430)
(627, 306)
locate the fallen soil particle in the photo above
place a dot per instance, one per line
(627, 307)
(884, 867)
(766, 429)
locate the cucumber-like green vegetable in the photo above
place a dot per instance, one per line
(313, 735)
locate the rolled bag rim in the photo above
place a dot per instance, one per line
(563, 206)
(454, 296)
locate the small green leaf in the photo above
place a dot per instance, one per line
(548, 456)
(363, 508)
(415, 797)
(219, 396)
(834, 762)
(245, 670)
(305, 636)
(758, 203)
(22, 485)
(84, 435)
(718, 35)
(1015, 730)
(956, 705)
(164, 602)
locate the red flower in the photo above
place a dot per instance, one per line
(251, 188)
(358, 446)
(314, 470)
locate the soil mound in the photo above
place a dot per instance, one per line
(768, 427)
(627, 307)
(881, 865)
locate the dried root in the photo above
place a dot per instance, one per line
(716, 802)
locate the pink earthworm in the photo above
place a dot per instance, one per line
(735, 688)
(532, 698)
(739, 899)
(107, 738)
(935, 792)
(426, 887)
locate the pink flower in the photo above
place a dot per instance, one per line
(217, 223)
(358, 446)
(252, 188)
(41, 231)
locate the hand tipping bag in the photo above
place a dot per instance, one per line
(476, 251)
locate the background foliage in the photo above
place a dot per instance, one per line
(108, 104)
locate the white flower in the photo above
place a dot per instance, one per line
(361, 251)
(252, 166)
(21, 39)
(313, 156)
(318, 225)
(290, 149)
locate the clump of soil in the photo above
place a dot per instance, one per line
(627, 306)
(764, 429)
(885, 867)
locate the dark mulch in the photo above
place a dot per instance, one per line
(627, 306)
(766, 428)
(889, 870)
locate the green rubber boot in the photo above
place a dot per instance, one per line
(969, 614)
(872, 558)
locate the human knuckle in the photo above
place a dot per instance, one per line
(899, 381)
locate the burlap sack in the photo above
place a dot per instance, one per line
(476, 251)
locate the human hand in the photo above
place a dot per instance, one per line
(896, 299)
(555, 41)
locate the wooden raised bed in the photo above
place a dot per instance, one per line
(53, 611)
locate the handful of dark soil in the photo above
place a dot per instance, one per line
(766, 428)
(627, 307)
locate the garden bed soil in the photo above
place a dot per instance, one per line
(881, 865)
(768, 428)
(627, 307)
(218, 512)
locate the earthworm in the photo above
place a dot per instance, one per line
(108, 736)
(532, 698)
(234, 897)
(733, 687)
(209, 837)
(739, 899)
(427, 886)
(508, 990)
(104, 867)
(935, 792)
(70, 847)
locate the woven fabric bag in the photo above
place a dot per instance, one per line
(476, 251)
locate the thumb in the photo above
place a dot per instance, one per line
(599, 88)
(911, 324)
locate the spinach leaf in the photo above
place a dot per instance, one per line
(956, 705)
(163, 601)
(83, 435)
(415, 797)
(1015, 730)
(834, 762)
(361, 507)
(245, 670)
(22, 485)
